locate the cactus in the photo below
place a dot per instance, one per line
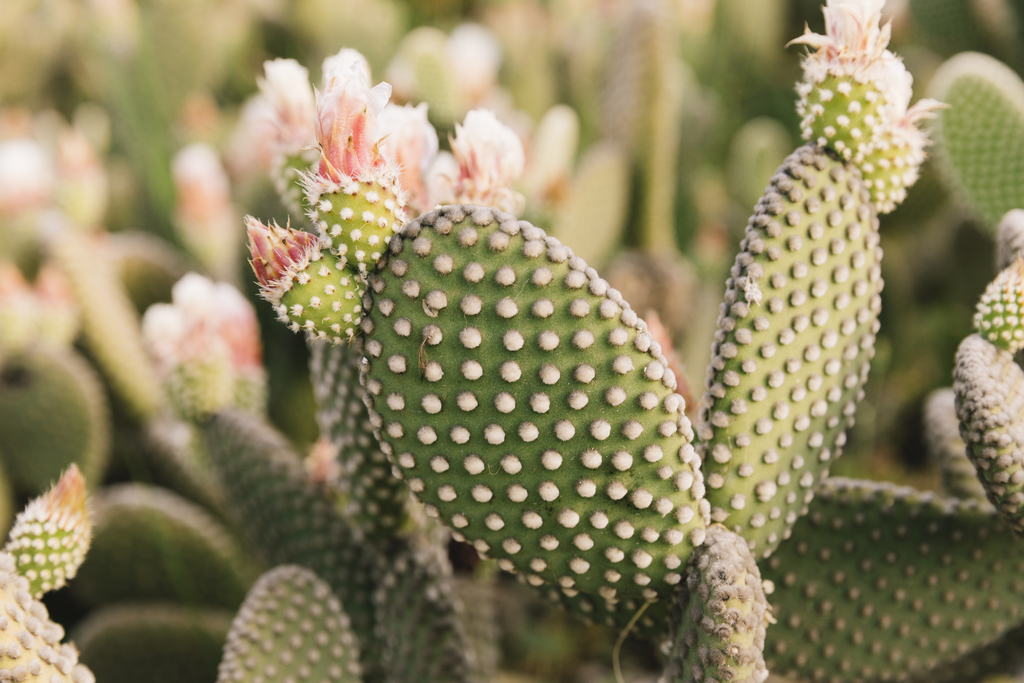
(979, 136)
(52, 534)
(150, 545)
(36, 386)
(946, 449)
(154, 642)
(290, 620)
(1009, 238)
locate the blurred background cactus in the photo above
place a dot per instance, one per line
(236, 476)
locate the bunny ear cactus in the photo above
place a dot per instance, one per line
(1009, 238)
(52, 534)
(946, 449)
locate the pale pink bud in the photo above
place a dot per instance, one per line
(286, 87)
(348, 63)
(251, 149)
(81, 179)
(409, 141)
(346, 126)
(490, 157)
(278, 252)
(26, 177)
(475, 57)
(202, 186)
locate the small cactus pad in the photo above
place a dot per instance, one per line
(723, 614)
(290, 521)
(883, 582)
(53, 412)
(528, 407)
(981, 135)
(52, 534)
(357, 218)
(176, 455)
(1000, 315)
(1009, 238)
(841, 113)
(33, 651)
(946, 449)
(287, 173)
(989, 389)
(290, 627)
(795, 336)
(418, 620)
(150, 544)
(155, 643)
(373, 498)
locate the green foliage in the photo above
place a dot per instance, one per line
(53, 412)
(151, 545)
(156, 643)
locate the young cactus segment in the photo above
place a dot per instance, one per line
(723, 615)
(989, 389)
(291, 522)
(888, 583)
(52, 534)
(372, 497)
(34, 653)
(1009, 238)
(290, 625)
(946, 449)
(419, 620)
(796, 334)
(310, 290)
(528, 407)
(855, 97)
(1000, 318)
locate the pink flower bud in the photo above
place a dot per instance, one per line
(286, 87)
(26, 177)
(277, 252)
(409, 141)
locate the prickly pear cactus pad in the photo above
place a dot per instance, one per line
(52, 534)
(33, 651)
(723, 615)
(794, 341)
(999, 315)
(946, 449)
(882, 582)
(989, 389)
(290, 625)
(527, 406)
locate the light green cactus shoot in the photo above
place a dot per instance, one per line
(1000, 318)
(52, 535)
(723, 616)
(979, 136)
(290, 625)
(32, 643)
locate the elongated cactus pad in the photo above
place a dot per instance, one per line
(156, 643)
(1000, 313)
(881, 582)
(989, 388)
(372, 497)
(981, 135)
(52, 534)
(290, 522)
(1009, 238)
(176, 454)
(527, 406)
(291, 626)
(796, 334)
(150, 544)
(53, 412)
(723, 614)
(418, 620)
(33, 651)
(946, 449)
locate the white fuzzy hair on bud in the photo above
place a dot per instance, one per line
(286, 87)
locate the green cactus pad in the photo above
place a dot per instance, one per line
(796, 333)
(177, 458)
(325, 299)
(148, 266)
(290, 522)
(723, 614)
(109, 322)
(1009, 238)
(52, 534)
(53, 412)
(418, 620)
(422, 69)
(150, 544)
(287, 173)
(156, 643)
(292, 626)
(33, 651)
(981, 135)
(989, 389)
(841, 114)
(883, 582)
(756, 150)
(528, 407)
(1000, 313)
(373, 498)
(946, 449)
(356, 217)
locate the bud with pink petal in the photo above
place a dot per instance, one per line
(206, 346)
(490, 158)
(309, 288)
(203, 214)
(409, 141)
(81, 180)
